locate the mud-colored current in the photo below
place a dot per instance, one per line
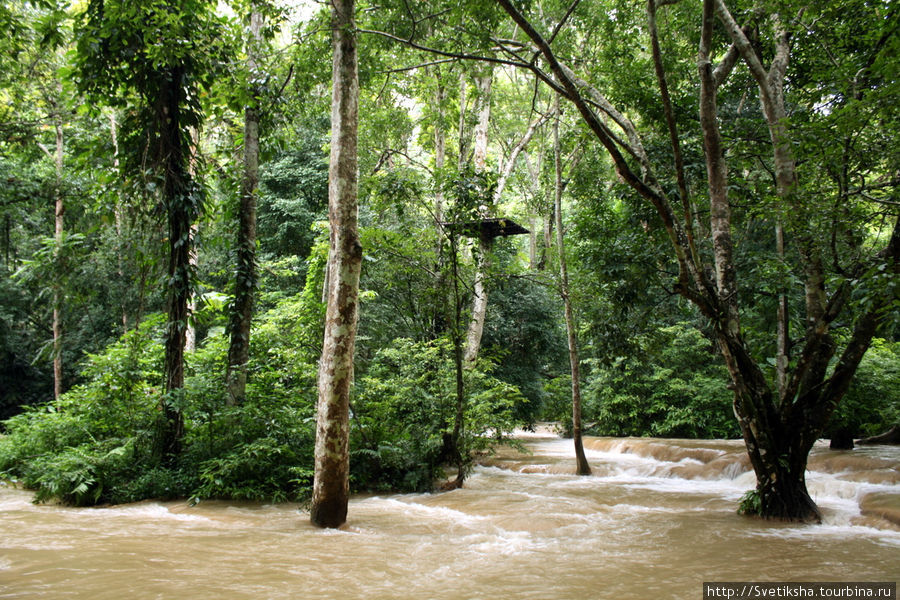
(655, 521)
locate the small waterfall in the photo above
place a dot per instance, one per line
(859, 486)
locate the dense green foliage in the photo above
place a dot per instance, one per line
(650, 363)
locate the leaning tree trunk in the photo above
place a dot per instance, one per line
(331, 483)
(245, 273)
(581, 464)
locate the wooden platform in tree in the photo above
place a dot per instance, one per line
(486, 228)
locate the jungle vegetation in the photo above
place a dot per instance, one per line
(709, 190)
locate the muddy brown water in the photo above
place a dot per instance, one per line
(655, 520)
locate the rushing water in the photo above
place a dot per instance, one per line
(655, 521)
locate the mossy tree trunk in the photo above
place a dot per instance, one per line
(332, 461)
(245, 271)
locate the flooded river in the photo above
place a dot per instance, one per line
(655, 521)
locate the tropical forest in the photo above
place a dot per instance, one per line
(449, 298)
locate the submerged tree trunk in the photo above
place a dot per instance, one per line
(581, 464)
(245, 272)
(779, 430)
(331, 483)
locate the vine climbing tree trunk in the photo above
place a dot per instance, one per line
(182, 201)
(332, 461)
(245, 271)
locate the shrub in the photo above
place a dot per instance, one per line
(674, 387)
(872, 403)
(406, 405)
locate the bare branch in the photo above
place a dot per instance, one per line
(514, 154)
(465, 56)
(562, 22)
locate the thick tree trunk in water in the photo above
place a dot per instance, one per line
(331, 484)
(779, 431)
(581, 464)
(245, 273)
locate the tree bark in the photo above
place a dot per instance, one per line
(57, 156)
(779, 430)
(113, 130)
(59, 213)
(182, 204)
(485, 244)
(332, 461)
(245, 272)
(581, 464)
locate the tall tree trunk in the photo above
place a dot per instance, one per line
(462, 129)
(581, 464)
(245, 273)
(454, 448)
(190, 332)
(119, 219)
(438, 324)
(331, 483)
(778, 431)
(782, 327)
(59, 212)
(182, 201)
(485, 243)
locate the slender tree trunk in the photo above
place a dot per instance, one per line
(485, 243)
(782, 327)
(59, 212)
(190, 332)
(440, 156)
(462, 129)
(120, 268)
(455, 449)
(331, 484)
(483, 84)
(479, 301)
(245, 273)
(581, 464)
